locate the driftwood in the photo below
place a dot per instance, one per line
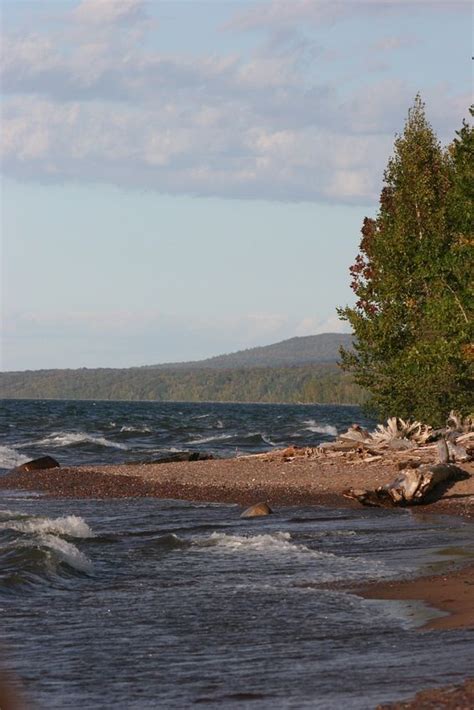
(412, 486)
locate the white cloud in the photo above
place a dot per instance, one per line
(104, 106)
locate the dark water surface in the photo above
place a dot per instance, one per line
(111, 432)
(170, 604)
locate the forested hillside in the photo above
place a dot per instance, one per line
(308, 349)
(307, 383)
(296, 370)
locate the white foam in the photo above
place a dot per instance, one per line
(138, 430)
(9, 457)
(66, 438)
(323, 566)
(318, 428)
(6, 514)
(275, 542)
(208, 439)
(67, 552)
(69, 525)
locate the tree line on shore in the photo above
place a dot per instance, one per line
(323, 383)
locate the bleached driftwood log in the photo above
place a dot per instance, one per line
(410, 487)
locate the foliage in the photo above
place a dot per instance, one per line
(413, 315)
(307, 383)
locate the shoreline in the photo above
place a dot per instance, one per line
(291, 482)
(295, 482)
(245, 480)
(451, 591)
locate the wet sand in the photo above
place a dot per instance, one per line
(452, 592)
(453, 697)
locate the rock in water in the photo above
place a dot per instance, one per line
(257, 510)
(37, 465)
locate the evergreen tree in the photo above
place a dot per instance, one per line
(411, 278)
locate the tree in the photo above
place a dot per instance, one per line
(413, 315)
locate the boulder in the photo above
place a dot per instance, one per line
(257, 510)
(37, 465)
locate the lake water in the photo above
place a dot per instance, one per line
(172, 604)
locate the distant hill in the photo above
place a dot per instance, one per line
(296, 370)
(308, 349)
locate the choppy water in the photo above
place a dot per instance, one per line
(169, 604)
(111, 432)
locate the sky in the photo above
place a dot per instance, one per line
(182, 179)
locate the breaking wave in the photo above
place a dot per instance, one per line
(135, 430)
(271, 542)
(209, 439)
(9, 457)
(34, 549)
(65, 552)
(318, 428)
(61, 438)
(69, 526)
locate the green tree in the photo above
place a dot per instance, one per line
(412, 319)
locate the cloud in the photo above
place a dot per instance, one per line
(110, 12)
(95, 103)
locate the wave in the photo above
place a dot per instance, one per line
(271, 542)
(256, 437)
(209, 439)
(135, 430)
(67, 553)
(65, 438)
(34, 550)
(68, 526)
(324, 566)
(9, 457)
(318, 428)
(267, 440)
(39, 560)
(169, 541)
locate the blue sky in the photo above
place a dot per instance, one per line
(182, 179)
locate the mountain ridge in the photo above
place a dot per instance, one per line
(299, 350)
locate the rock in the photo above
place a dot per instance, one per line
(37, 465)
(257, 510)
